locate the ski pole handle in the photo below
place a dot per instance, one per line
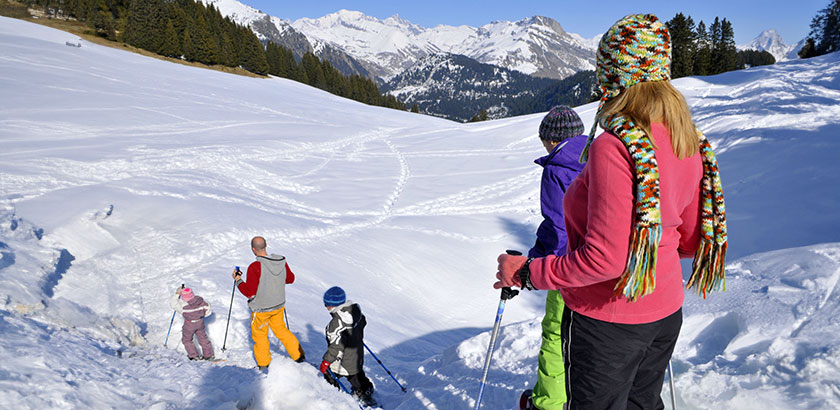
(508, 292)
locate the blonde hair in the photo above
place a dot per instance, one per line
(657, 101)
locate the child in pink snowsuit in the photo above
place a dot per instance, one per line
(194, 309)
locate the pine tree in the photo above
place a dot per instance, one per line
(227, 53)
(312, 66)
(203, 48)
(171, 45)
(481, 116)
(187, 47)
(251, 52)
(754, 58)
(703, 55)
(728, 53)
(138, 25)
(825, 29)
(683, 45)
(716, 50)
(415, 108)
(808, 50)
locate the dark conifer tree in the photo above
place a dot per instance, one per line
(703, 56)
(808, 50)
(171, 44)
(683, 45)
(716, 59)
(312, 66)
(728, 51)
(825, 29)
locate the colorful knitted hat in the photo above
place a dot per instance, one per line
(637, 49)
(560, 123)
(187, 295)
(334, 296)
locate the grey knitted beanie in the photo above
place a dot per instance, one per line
(560, 123)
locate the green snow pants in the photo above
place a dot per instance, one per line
(550, 390)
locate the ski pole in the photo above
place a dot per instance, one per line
(340, 384)
(171, 322)
(507, 293)
(286, 318)
(671, 381)
(229, 310)
(383, 366)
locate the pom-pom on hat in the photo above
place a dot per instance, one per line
(187, 295)
(560, 123)
(334, 296)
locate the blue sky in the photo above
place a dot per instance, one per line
(587, 18)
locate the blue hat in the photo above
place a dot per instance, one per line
(334, 296)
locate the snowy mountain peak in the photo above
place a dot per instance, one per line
(770, 41)
(536, 45)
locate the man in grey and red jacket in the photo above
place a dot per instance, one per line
(265, 289)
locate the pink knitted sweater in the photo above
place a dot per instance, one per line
(599, 216)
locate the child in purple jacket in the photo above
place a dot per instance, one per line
(561, 133)
(194, 309)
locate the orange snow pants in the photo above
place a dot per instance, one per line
(260, 323)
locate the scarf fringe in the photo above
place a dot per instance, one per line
(639, 277)
(708, 268)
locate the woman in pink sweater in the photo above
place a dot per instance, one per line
(649, 194)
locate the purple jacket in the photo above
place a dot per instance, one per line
(560, 168)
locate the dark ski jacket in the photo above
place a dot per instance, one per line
(560, 168)
(345, 344)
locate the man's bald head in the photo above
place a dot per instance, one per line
(258, 245)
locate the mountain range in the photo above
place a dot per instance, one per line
(450, 71)
(535, 46)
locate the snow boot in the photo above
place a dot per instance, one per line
(525, 402)
(366, 397)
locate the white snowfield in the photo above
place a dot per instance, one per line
(122, 177)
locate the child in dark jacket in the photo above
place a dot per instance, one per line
(345, 345)
(194, 309)
(561, 133)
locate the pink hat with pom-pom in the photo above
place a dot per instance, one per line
(187, 295)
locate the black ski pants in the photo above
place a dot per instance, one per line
(613, 366)
(360, 383)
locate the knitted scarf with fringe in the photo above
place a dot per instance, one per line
(639, 277)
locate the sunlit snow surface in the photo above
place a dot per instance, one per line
(123, 176)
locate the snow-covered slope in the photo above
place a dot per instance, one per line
(124, 176)
(537, 46)
(772, 42)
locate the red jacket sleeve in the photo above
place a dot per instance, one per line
(249, 287)
(290, 276)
